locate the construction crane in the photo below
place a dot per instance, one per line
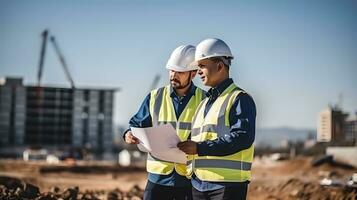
(42, 56)
(60, 57)
(155, 81)
(63, 62)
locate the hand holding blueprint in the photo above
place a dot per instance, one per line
(160, 142)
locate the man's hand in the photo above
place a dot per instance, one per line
(130, 138)
(189, 147)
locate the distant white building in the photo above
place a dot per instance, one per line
(335, 126)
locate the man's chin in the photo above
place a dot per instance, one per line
(206, 83)
(176, 86)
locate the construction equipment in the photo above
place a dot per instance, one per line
(60, 57)
(63, 62)
(42, 56)
(155, 82)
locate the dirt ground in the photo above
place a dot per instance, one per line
(87, 176)
(298, 179)
(289, 179)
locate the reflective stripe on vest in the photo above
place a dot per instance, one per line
(232, 168)
(180, 125)
(220, 128)
(162, 100)
(218, 163)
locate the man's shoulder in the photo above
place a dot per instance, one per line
(195, 87)
(200, 90)
(244, 95)
(159, 89)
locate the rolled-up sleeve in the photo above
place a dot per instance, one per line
(142, 118)
(242, 119)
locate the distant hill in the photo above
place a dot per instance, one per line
(273, 136)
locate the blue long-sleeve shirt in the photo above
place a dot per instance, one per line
(143, 119)
(242, 133)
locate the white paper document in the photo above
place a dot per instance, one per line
(161, 142)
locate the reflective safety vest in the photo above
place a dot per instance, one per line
(231, 168)
(162, 112)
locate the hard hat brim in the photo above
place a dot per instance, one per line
(195, 63)
(181, 69)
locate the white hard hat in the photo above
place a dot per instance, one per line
(212, 47)
(181, 58)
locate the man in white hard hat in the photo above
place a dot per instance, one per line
(223, 129)
(174, 104)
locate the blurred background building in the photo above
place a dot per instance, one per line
(351, 128)
(55, 117)
(335, 126)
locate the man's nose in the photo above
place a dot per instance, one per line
(199, 72)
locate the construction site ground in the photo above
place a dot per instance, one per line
(287, 179)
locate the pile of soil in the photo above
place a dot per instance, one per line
(13, 188)
(299, 179)
(297, 189)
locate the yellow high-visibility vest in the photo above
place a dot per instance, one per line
(231, 168)
(162, 112)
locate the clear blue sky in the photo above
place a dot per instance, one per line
(293, 57)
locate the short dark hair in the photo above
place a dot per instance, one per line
(227, 61)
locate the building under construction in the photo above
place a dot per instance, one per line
(336, 127)
(55, 116)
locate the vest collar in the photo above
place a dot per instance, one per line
(219, 89)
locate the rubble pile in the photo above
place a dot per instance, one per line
(13, 189)
(297, 189)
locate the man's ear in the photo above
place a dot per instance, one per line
(193, 74)
(220, 66)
